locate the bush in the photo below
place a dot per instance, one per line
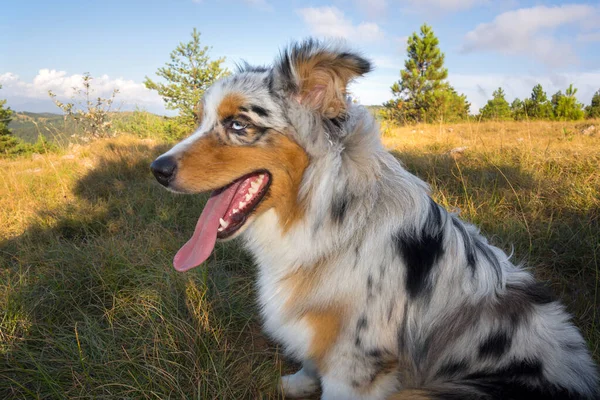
(12, 146)
(91, 114)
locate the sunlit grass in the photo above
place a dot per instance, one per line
(91, 307)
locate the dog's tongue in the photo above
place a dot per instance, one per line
(202, 243)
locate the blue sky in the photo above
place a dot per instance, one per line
(488, 43)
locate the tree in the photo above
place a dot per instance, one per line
(567, 106)
(91, 114)
(517, 109)
(497, 108)
(189, 73)
(5, 117)
(422, 94)
(7, 140)
(593, 110)
(538, 106)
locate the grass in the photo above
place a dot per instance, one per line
(90, 306)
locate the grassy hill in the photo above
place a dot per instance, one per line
(91, 307)
(29, 126)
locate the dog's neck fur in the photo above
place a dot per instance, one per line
(371, 193)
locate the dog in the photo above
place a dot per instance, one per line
(377, 290)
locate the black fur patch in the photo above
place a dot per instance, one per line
(489, 256)
(468, 241)
(517, 301)
(362, 324)
(421, 253)
(518, 380)
(539, 293)
(259, 110)
(339, 207)
(496, 345)
(452, 368)
(244, 66)
(369, 287)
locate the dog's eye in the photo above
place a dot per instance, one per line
(237, 126)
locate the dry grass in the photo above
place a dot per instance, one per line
(90, 306)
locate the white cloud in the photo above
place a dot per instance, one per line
(331, 22)
(378, 8)
(589, 37)
(373, 8)
(130, 94)
(528, 31)
(445, 5)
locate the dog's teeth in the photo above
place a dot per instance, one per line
(220, 229)
(242, 204)
(235, 211)
(248, 197)
(254, 186)
(253, 190)
(224, 223)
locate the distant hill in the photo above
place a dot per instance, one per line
(29, 126)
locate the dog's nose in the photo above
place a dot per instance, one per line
(164, 169)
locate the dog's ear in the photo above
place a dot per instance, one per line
(317, 75)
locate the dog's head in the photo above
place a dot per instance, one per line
(251, 147)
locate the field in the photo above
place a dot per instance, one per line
(90, 306)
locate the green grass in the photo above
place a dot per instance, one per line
(90, 306)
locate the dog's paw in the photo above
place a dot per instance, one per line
(298, 385)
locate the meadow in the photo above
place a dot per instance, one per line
(91, 307)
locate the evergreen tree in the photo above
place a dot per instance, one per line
(422, 94)
(538, 106)
(7, 140)
(593, 110)
(555, 99)
(497, 108)
(567, 106)
(189, 73)
(5, 117)
(517, 109)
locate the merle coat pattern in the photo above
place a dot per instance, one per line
(375, 288)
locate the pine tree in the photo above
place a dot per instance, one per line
(189, 73)
(517, 109)
(538, 106)
(497, 108)
(7, 140)
(593, 110)
(422, 94)
(5, 117)
(567, 106)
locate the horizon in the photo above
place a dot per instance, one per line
(510, 44)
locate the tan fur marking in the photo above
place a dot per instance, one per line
(210, 164)
(410, 395)
(324, 79)
(230, 105)
(301, 286)
(326, 325)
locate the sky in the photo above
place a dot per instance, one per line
(48, 45)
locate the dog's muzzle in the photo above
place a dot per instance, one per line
(164, 169)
